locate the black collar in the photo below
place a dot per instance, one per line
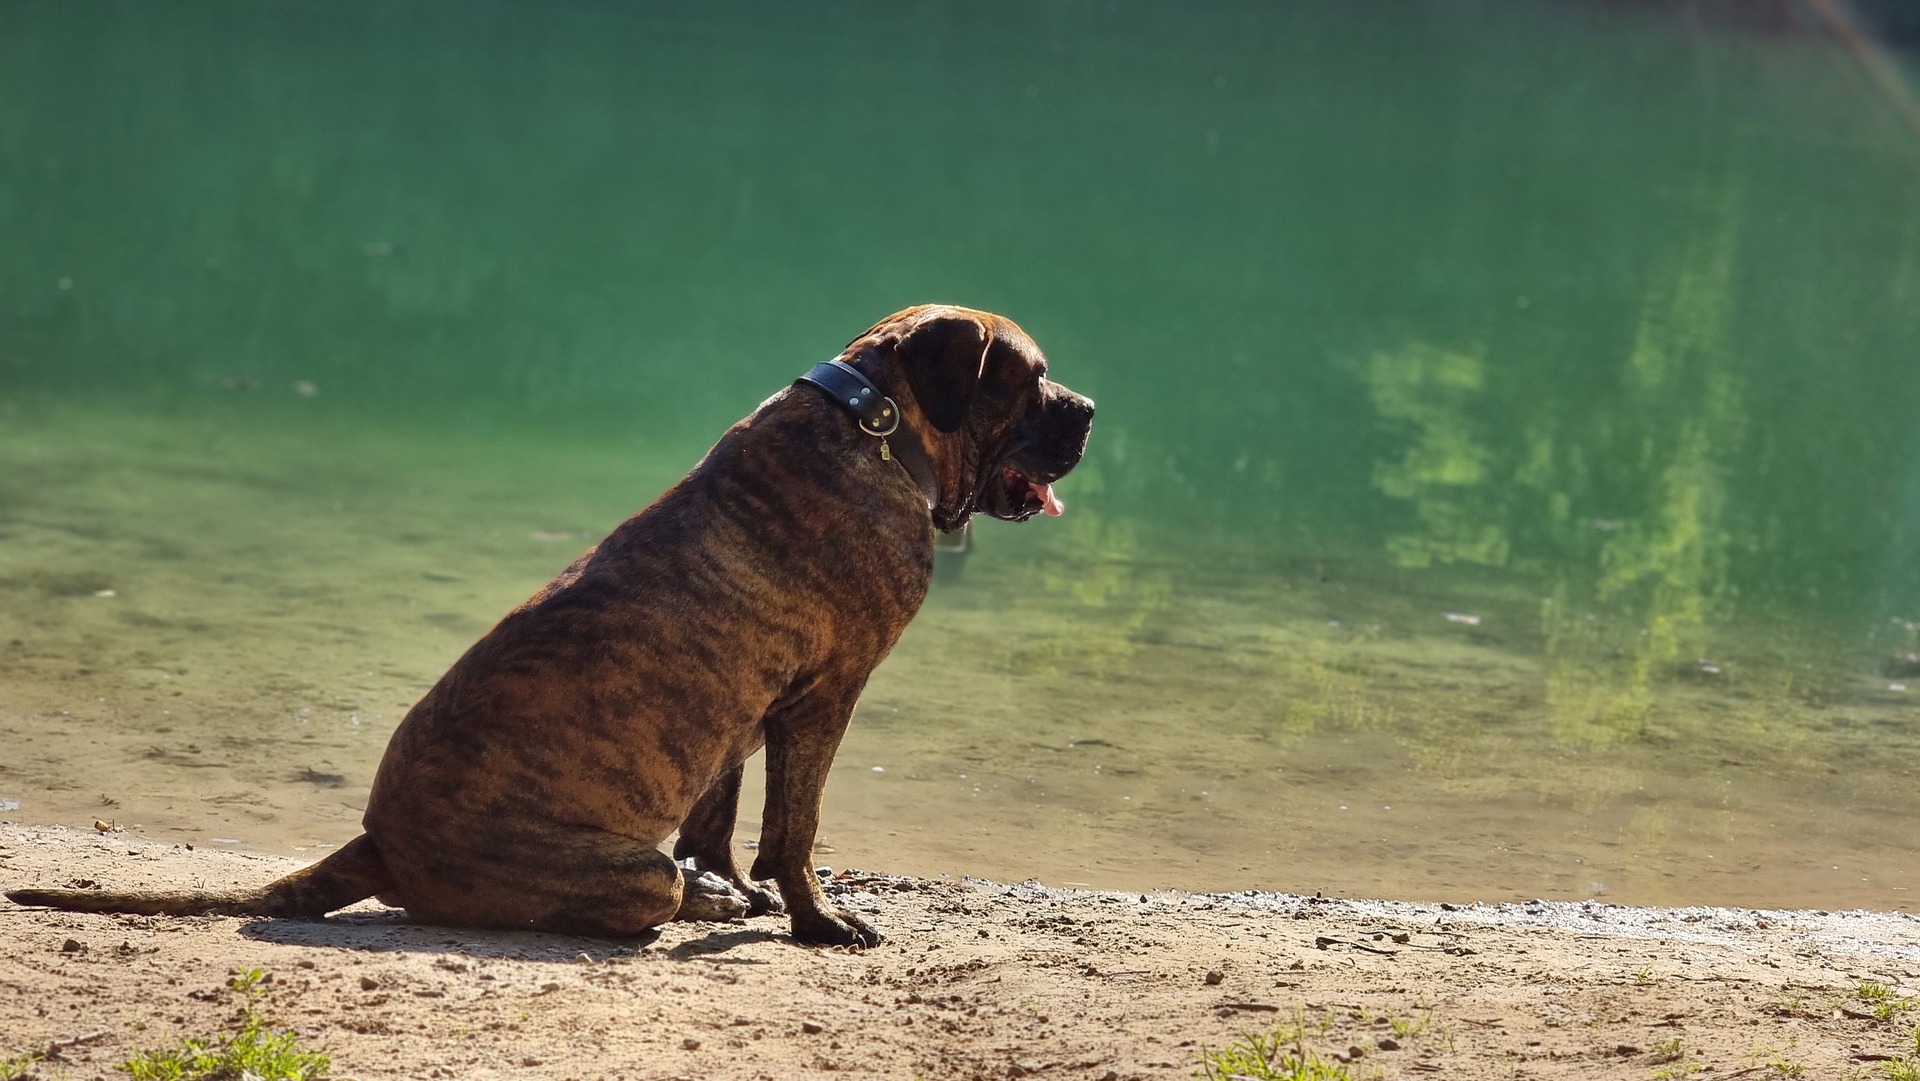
(878, 416)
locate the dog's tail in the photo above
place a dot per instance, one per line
(351, 874)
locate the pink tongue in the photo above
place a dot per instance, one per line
(1050, 503)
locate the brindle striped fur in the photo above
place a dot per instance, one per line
(531, 787)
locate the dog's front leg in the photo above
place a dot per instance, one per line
(801, 739)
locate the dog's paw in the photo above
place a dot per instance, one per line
(708, 898)
(762, 901)
(836, 927)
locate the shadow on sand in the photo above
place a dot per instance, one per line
(392, 932)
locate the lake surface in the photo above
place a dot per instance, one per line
(1506, 483)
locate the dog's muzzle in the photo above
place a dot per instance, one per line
(1045, 447)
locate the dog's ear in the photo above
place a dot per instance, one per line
(943, 359)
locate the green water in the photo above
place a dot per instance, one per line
(1506, 483)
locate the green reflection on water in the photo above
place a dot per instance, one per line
(1507, 411)
(1427, 389)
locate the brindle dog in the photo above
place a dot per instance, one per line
(533, 784)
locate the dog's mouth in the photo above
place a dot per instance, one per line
(1018, 482)
(1022, 497)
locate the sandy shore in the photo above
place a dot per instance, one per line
(977, 979)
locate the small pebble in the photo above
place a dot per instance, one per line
(584, 958)
(303, 964)
(690, 1044)
(1387, 1043)
(73, 945)
(812, 1028)
(1214, 977)
(368, 983)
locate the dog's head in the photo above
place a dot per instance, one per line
(977, 396)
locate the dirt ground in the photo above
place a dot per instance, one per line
(976, 980)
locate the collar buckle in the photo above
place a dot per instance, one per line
(879, 415)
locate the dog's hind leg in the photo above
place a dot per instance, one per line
(706, 837)
(566, 879)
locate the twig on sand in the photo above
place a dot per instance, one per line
(54, 1047)
(1323, 941)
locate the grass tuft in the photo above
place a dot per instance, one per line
(1678, 1065)
(1280, 1056)
(1254, 1057)
(1405, 1027)
(1882, 1001)
(1906, 1067)
(256, 1051)
(1777, 1063)
(17, 1066)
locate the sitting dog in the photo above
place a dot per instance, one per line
(746, 607)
